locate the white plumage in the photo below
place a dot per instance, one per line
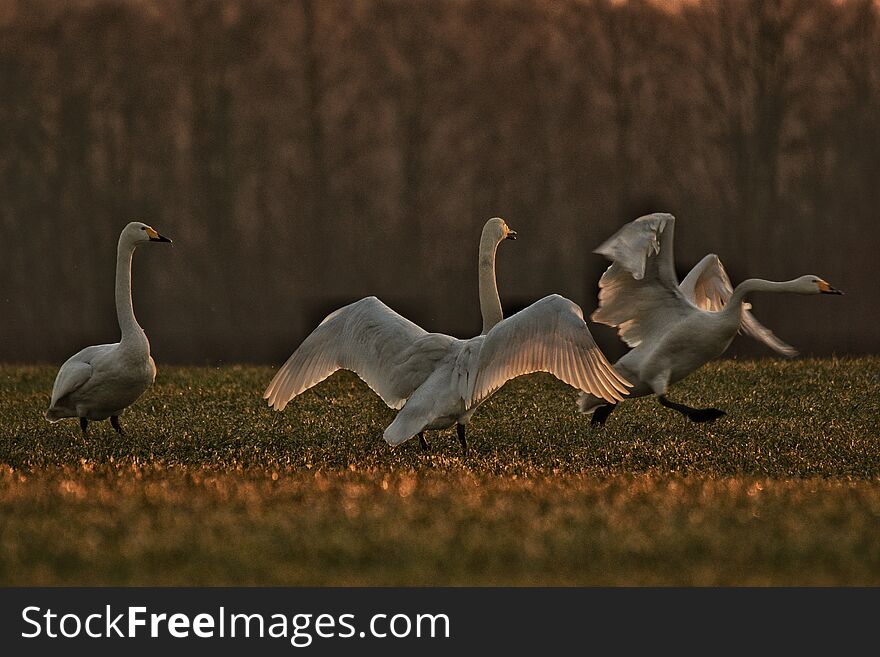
(99, 382)
(438, 381)
(390, 353)
(674, 328)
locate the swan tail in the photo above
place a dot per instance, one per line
(55, 415)
(415, 415)
(588, 403)
(404, 427)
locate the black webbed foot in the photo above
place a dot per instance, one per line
(84, 426)
(692, 414)
(705, 414)
(423, 442)
(114, 422)
(461, 438)
(600, 415)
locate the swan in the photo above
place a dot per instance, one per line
(101, 381)
(437, 381)
(674, 328)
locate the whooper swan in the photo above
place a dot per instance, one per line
(436, 380)
(101, 381)
(675, 329)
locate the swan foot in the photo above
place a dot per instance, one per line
(461, 438)
(84, 426)
(600, 415)
(692, 414)
(706, 414)
(114, 421)
(423, 442)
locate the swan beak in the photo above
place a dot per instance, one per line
(511, 235)
(825, 288)
(156, 237)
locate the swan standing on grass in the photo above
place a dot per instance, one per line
(101, 381)
(675, 329)
(436, 380)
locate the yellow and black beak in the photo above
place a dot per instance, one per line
(511, 234)
(156, 237)
(825, 288)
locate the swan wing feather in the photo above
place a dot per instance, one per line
(754, 329)
(75, 371)
(708, 286)
(639, 293)
(390, 353)
(548, 336)
(644, 248)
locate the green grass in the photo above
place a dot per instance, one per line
(209, 486)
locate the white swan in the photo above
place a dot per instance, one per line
(437, 380)
(101, 381)
(674, 329)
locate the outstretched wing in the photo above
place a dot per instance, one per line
(644, 247)
(639, 292)
(708, 286)
(754, 329)
(390, 353)
(548, 336)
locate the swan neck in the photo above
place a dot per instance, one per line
(124, 309)
(758, 285)
(490, 302)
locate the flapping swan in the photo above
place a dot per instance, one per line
(101, 381)
(436, 380)
(675, 329)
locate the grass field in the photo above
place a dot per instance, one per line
(208, 486)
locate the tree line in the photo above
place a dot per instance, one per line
(305, 153)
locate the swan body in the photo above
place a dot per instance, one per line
(674, 329)
(435, 380)
(100, 381)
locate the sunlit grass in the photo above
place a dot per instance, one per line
(208, 486)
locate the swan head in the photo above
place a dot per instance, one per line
(498, 230)
(811, 284)
(140, 233)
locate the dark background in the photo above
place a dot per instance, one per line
(305, 153)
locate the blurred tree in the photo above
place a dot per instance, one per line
(304, 154)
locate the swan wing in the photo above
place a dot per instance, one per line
(548, 336)
(708, 286)
(639, 292)
(754, 329)
(390, 353)
(74, 373)
(644, 247)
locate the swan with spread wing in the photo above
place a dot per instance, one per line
(674, 328)
(435, 380)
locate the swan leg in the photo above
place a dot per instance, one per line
(423, 442)
(114, 422)
(600, 415)
(692, 414)
(459, 428)
(84, 426)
